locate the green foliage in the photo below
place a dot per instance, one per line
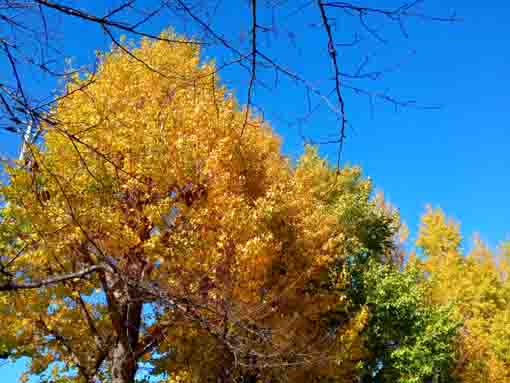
(409, 341)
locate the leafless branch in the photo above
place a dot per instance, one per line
(12, 286)
(333, 54)
(105, 21)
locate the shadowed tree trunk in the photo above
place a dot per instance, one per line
(126, 314)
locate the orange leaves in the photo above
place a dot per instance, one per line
(163, 179)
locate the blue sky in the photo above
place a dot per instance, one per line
(456, 157)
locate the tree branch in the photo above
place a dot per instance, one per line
(333, 54)
(105, 21)
(10, 286)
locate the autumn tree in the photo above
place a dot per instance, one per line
(160, 230)
(476, 285)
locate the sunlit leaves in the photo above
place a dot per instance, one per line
(154, 170)
(476, 286)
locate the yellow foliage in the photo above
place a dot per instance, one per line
(169, 182)
(477, 286)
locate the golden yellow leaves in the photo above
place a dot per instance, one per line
(182, 376)
(438, 236)
(477, 286)
(164, 178)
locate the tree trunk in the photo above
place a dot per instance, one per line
(226, 371)
(126, 314)
(123, 364)
(124, 358)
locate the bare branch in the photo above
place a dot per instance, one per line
(105, 21)
(333, 54)
(253, 69)
(11, 286)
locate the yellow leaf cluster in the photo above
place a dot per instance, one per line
(160, 173)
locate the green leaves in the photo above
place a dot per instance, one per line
(409, 340)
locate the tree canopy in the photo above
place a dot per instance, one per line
(159, 234)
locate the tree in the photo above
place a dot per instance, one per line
(160, 229)
(476, 285)
(410, 340)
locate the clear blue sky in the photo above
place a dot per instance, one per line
(457, 157)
